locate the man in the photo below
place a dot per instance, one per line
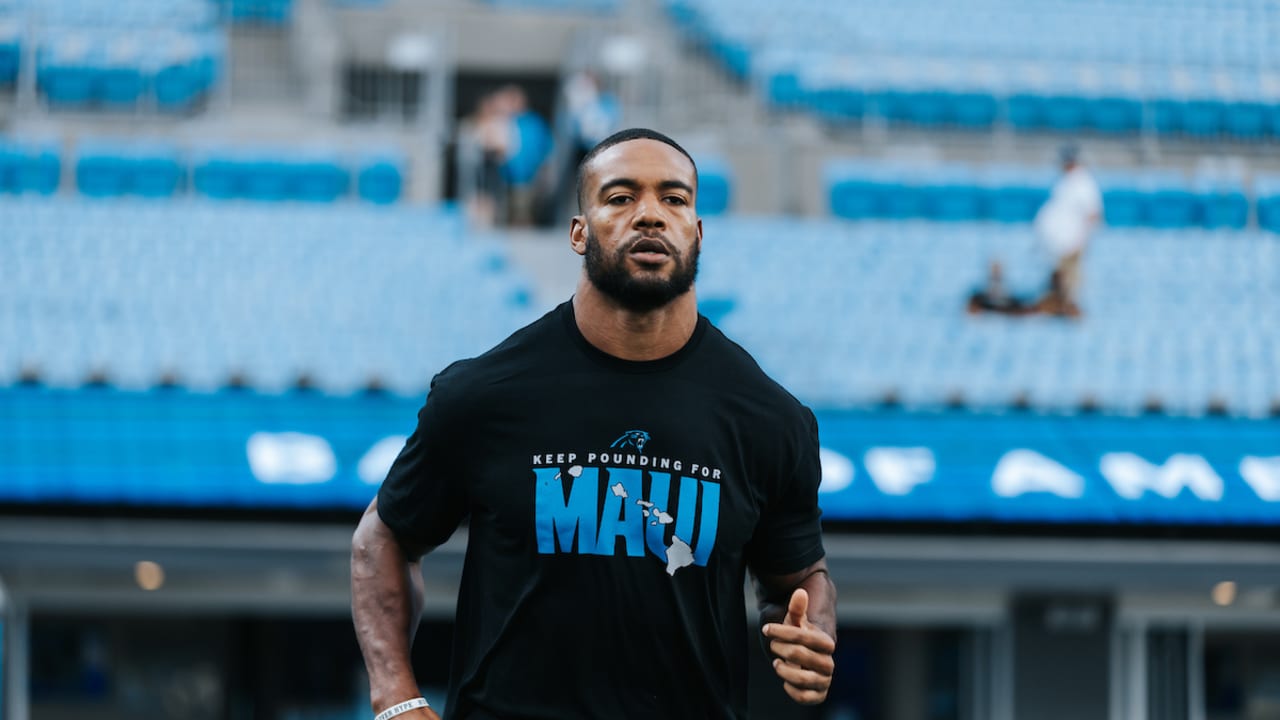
(622, 465)
(1065, 225)
(995, 297)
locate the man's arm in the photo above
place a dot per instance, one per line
(386, 604)
(798, 616)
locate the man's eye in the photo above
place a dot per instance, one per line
(677, 200)
(618, 199)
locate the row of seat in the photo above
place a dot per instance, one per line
(1187, 321)
(578, 6)
(1114, 66)
(202, 294)
(960, 193)
(149, 169)
(167, 70)
(135, 54)
(929, 104)
(262, 12)
(343, 295)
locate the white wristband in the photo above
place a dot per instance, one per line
(402, 708)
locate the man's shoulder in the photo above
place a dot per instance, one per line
(519, 353)
(735, 367)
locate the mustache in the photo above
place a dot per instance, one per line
(648, 240)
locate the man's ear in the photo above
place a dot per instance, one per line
(578, 234)
(699, 234)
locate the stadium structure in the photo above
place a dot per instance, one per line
(239, 237)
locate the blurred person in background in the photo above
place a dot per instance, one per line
(593, 113)
(527, 147)
(995, 297)
(582, 449)
(1064, 225)
(588, 115)
(484, 144)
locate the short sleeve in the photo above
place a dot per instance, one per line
(423, 497)
(1086, 197)
(788, 537)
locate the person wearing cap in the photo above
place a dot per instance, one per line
(1064, 226)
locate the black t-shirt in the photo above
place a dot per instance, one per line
(613, 508)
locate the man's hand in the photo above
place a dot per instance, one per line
(803, 652)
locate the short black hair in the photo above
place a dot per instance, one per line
(626, 136)
(1069, 153)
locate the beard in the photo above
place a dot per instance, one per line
(609, 274)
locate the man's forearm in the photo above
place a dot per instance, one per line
(386, 604)
(773, 593)
(822, 601)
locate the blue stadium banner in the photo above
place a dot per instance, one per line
(308, 451)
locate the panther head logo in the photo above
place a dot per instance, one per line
(632, 438)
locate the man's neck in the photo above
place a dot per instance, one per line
(631, 335)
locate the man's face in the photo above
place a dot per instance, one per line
(639, 231)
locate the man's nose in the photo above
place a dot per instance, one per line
(648, 215)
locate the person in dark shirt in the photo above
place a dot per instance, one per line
(622, 466)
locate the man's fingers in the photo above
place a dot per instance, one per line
(798, 608)
(804, 697)
(803, 657)
(810, 637)
(803, 686)
(799, 677)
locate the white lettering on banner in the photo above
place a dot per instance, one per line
(1263, 475)
(373, 467)
(897, 471)
(1023, 471)
(837, 471)
(290, 458)
(1130, 476)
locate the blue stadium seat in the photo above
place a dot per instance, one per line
(1246, 117)
(1170, 203)
(1065, 112)
(101, 171)
(321, 178)
(217, 176)
(157, 171)
(265, 12)
(1223, 202)
(1124, 203)
(10, 50)
(952, 194)
(187, 69)
(1167, 115)
(264, 177)
(380, 179)
(1266, 190)
(1203, 117)
(66, 73)
(30, 166)
(856, 190)
(1016, 194)
(974, 110)
(715, 186)
(1113, 114)
(1026, 111)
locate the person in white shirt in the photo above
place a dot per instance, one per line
(1064, 226)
